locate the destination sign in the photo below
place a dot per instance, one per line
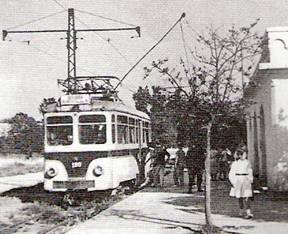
(75, 99)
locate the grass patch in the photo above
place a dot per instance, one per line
(11, 164)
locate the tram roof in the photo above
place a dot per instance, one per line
(97, 105)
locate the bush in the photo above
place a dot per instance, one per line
(25, 135)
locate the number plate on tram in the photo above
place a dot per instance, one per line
(76, 164)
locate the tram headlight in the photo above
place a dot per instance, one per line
(50, 173)
(98, 171)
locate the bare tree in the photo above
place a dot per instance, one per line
(211, 82)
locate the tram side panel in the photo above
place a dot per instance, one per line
(54, 171)
(101, 172)
(124, 169)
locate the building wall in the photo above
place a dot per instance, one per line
(267, 121)
(258, 128)
(279, 134)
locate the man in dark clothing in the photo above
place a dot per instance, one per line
(159, 165)
(195, 162)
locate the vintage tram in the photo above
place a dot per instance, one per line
(91, 142)
(91, 138)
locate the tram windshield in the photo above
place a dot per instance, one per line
(92, 129)
(59, 130)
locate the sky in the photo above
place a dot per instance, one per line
(29, 72)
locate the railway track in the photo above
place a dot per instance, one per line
(65, 216)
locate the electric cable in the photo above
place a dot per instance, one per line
(185, 50)
(35, 20)
(53, 56)
(104, 39)
(59, 4)
(107, 18)
(148, 52)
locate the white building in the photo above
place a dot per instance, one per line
(267, 122)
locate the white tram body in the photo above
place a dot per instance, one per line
(91, 143)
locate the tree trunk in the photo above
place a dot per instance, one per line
(208, 215)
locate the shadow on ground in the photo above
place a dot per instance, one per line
(266, 206)
(169, 223)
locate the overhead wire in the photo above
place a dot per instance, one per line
(59, 4)
(35, 20)
(115, 48)
(103, 17)
(185, 50)
(148, 52)
(53, 56)
(107, 18)
(192, 30)
(104, 39)
(64, 61)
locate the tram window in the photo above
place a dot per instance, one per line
(92, 119)
(137, 133)
(131, 134)
(131, 121)
(92, 134)
(122, 134)
(143, 140)
(59, 135)
(122, 119)
(92, 129)
(113, 134)
(113, 118)
(59, 120)
(132, 130)
(122, 129)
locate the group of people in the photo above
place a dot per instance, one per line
(194, 161)
(237, 168)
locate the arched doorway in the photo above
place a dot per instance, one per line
(263, 146)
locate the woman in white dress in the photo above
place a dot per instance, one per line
(241, 178)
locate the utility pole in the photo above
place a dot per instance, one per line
(72, 83)
(71, 47)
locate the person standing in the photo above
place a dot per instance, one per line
(195, 162)
(223, 164)
(179, 167)
(149, 175)
(241, 179)
(159, 164)
(214, 165)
